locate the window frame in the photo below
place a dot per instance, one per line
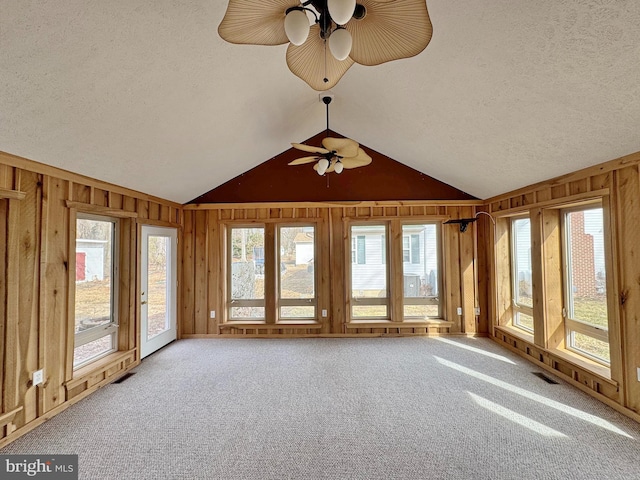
(295, 302)
(241, 302)
(112, 328)
(428, 300)
(574, 325)
(369, 301)
(518, 308)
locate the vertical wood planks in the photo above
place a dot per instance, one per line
(188, 275)
(28, 287)
(214, 270)
(54, 312)
(4, 214)
(467, 272)
(552, 283)
(201, 270)
(339, 303)
(628, 205)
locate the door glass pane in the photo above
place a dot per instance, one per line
(420, 270)
(159, 251)
(247, 258)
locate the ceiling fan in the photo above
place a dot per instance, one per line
(335, 154)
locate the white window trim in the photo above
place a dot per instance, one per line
(242, 302)
(296, 302)
(111, 328)
(573, 325)
(517, 308)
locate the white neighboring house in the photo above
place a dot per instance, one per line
(90, 259)
(304, 248)
(420, 260)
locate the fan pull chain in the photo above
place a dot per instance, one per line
(325, 79)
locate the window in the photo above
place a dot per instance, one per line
(246, 295)
(411, 249)
(96, 325)
(421, 275)
(369, 276)
(272, 273)
(585, 310)
(521, 276)
(297, 279)
(358, 250)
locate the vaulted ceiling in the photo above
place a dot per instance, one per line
(145, 94)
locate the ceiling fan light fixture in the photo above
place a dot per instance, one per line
(341, 11)
(296, 26)
(338, 167)
(340, 43)
(323, 164)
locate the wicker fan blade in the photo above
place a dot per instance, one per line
(312, 62)
(360, 160)
(303, 160)
(390, 31)
(255, 22)
(344, 147)
(309, 148)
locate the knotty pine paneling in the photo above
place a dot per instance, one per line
(203, 279)
(37, 250)
(617, 185)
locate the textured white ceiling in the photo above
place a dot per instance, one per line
(144, 94)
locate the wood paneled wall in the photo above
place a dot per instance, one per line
(617, 185)
(37, 249)
(203, 281)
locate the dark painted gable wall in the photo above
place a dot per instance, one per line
(276, 181)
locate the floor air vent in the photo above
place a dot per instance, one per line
(124, 377)
(545, 378)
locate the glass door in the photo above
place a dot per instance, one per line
(158, 288)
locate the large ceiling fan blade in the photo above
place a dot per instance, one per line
(398, 29)
(255, 22)
(344, 147)
(312, 62)
(303, 160)
(309, 148)
(362, 159)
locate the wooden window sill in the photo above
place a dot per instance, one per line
(575, 360)
(405, 324)
(80, 375)
(517, 332)
(271, 326)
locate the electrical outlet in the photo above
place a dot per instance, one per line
(38, 377)
(459, 310)
(324, 313)
(212, 314)
(476, 310)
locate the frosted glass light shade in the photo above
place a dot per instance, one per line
(340, 44)
(296, 26)
(338, 167)
(322, 166)
(341, 11)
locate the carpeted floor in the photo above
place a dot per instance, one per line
(380, 408)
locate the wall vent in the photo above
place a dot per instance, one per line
(545, 378)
